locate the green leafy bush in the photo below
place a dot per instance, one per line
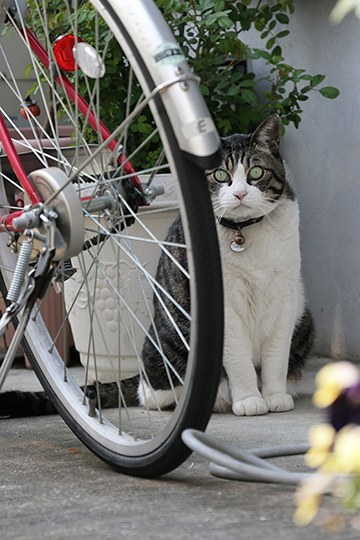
(212, 34)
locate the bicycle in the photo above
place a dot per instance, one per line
(80, 209)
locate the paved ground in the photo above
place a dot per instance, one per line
(53, 487)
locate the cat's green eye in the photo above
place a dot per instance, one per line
(221, 175)
(256, 172)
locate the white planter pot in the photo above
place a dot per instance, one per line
(108, 331)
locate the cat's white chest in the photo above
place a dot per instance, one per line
(267, 271)
(268, 248)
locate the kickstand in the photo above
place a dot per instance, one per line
(15, 342)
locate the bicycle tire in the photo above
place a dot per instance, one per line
(164, 450)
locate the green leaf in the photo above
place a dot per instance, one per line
(233, 91)
(204, 90)
(249, 96)
(272, 25)
(225, 23)
(282, 18)
(306, 77)
(246, 83)
(317, 79)
(329, 92)
(270, 43)
(276, 51)
(219, 5)
(306, 89)
(283, 34)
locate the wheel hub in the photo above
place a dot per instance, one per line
(67, 205)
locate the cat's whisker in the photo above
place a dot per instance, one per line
(216, 201)
(223, 214)
(218, 207)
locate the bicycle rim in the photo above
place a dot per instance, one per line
(106, 295)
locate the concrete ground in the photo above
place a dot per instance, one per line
(52, 487)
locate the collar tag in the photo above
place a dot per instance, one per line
(238, 243)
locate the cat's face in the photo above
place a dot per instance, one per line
(251, 178)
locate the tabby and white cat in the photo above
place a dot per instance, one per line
(268, 330)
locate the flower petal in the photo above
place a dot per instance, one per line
(331, 380)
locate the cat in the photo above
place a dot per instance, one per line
(268, 329)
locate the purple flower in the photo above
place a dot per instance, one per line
(346, 408)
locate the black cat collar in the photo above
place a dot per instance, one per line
(238, 243)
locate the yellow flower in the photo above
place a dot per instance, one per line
(347, 450)
(331, 380)
(308, 497)
(321, 438)
(307, 508)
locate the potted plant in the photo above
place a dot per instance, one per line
(213, 36)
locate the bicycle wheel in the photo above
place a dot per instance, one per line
(108, 290)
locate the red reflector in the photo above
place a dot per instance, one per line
(63, 52)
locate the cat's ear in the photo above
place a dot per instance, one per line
(267, 133)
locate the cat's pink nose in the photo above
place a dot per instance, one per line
(240, 194)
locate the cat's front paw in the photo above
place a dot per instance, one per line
(251, 406)
(279, 402)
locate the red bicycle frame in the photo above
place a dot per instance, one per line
(6, 221)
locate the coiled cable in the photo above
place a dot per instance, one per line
(228, 461)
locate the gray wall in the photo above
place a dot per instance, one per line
(19, 61)
(324, 155)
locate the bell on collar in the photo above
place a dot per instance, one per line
(238, 243)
